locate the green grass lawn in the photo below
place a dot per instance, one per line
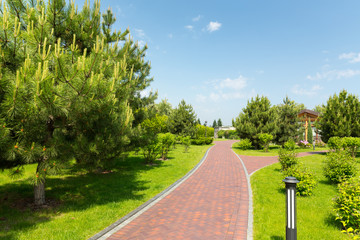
(315, 219)
(273, 150)
(87, 203)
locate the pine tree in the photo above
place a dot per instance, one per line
(183, 120)
(219, 123)
(340, 117)
(256, 118)
(287, 121)
(69, 86)
(214, 125)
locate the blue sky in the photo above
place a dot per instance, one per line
(216, 55)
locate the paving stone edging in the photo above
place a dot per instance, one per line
(250, 212)
(107, 232)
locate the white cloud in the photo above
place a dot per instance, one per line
(170, 36)
(189, 27)
(196, 19)
(213, 26)
(225, 89)
(352, 57)
(298, 90)
(237, 83)
(334, 74)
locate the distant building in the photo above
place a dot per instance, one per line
(304, 116)
(225, 128)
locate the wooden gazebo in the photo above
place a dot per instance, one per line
(304, 116)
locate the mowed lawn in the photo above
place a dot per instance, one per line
(82, 204)
(315, 217)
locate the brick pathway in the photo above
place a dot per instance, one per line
(213, 203)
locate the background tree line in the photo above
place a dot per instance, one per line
(338, 117)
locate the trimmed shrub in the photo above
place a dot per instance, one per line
(290, 145)
(287, 158)
(245, 144)
(307, 180)
(347, 204)
(335, 143)
(339, 166)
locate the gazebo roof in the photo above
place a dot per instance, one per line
(308, 114)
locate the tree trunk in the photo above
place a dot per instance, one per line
(39, 194)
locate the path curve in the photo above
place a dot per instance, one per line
(211, 204)
(214, 202)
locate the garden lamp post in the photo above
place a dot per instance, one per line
(291, 232)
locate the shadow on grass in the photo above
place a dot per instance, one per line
(72, 193)
(330, 221)
(277, 238)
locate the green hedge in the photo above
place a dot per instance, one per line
(202, 141)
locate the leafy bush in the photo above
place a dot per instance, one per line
(290, 145)
(347, 204)
(166, 140)
(265, 139)
(307, 180)
(339, 166)
(287, 158)
(245, 144)
(335, 143)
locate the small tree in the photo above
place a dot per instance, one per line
(166, 140)
(214, 125)
(265, 140)
(186, 141)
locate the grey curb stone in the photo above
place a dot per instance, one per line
(250, 212)
(116, 226)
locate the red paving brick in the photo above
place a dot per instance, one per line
(212, 203)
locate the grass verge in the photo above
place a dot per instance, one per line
(84, 204)
(315, 219)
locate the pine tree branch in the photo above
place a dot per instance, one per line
(66, 81)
